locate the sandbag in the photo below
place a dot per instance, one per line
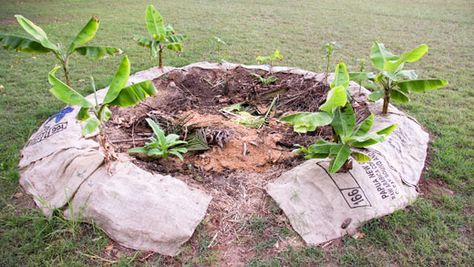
(138, 209)
(322, 206)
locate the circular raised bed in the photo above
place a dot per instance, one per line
(156, 204)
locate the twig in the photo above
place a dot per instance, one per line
(245, 149)
(95, 257)
(269, 110)
(129, 140)
(212, 240)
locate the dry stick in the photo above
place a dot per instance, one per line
(129, 140)
(269, 110)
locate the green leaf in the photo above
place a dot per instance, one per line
(83, 114)
(22, 44)
(398, 96)
(344, 121)
(177, 47)
(137, 150)
(158, 132)
(177, 154)
(422, 85)
(411, 56)
(401, 75)
(360, 157)
(319, 150)
(143, 41)
(341, 154)
(341, 77)
(155, 24)
(304, 122)
(379, 55)
(374, 96)
(176, 38)
(133, 94)
(86, 34)
(105, 114)
(65, 93)
(96, 52)
(337, 97)
(365, 126)
(36, 32)
(360, 76)
(91, 126)
(387, 130)
(119, 81)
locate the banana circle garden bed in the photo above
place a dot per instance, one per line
(239, 158)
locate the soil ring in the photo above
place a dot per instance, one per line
(240, 166)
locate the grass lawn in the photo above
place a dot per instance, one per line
(437, 230)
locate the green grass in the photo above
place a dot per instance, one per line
(437, 230)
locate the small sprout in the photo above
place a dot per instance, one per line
(392, 82)
(265, 81)
(329, 48)
(270, 60)
(161, 145)
(161, 36)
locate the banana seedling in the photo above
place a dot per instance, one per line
(391, 81)
(161, 36)
(40, 43)
(96, 114)
(350, 139)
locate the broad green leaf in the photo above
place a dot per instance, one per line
(337, 97)
(341, 154)
(177, 47)
(143, 41)
(22, 44)
(177, 154)
(379, 55)
(410, 56)
(65, 93)
(319, 150)
(85, 35)
(374, 96)
(341, 77)
(422, 85)
(137, 150)
(36, 32)
(344, 121)
(365, 126)
(304, 122)
(360, 157)
(133, 94)
(360, 76)
(90, 126)
(83, 114)
(158, 132)
(401, 75)
(119, 81)
(366, 140)
(176, 38)
(154, 23)
(387, 130)
(105, 114)
(96, 52)
(399, 96)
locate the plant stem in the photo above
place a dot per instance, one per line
(160, 57)
(64, 63)
(386, 100)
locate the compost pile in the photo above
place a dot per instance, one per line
(239, 159)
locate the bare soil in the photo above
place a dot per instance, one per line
(240, 160)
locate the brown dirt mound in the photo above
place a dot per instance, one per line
(240, 160)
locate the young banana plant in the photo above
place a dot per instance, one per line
(96, 114)
(40, 43)
(350, 139)
(338, 96)
(391, 81)
(329, 48)
(161, 36)
(347, 136)
(270, 59)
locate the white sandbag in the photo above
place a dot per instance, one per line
(140, 210)
(323, 206)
